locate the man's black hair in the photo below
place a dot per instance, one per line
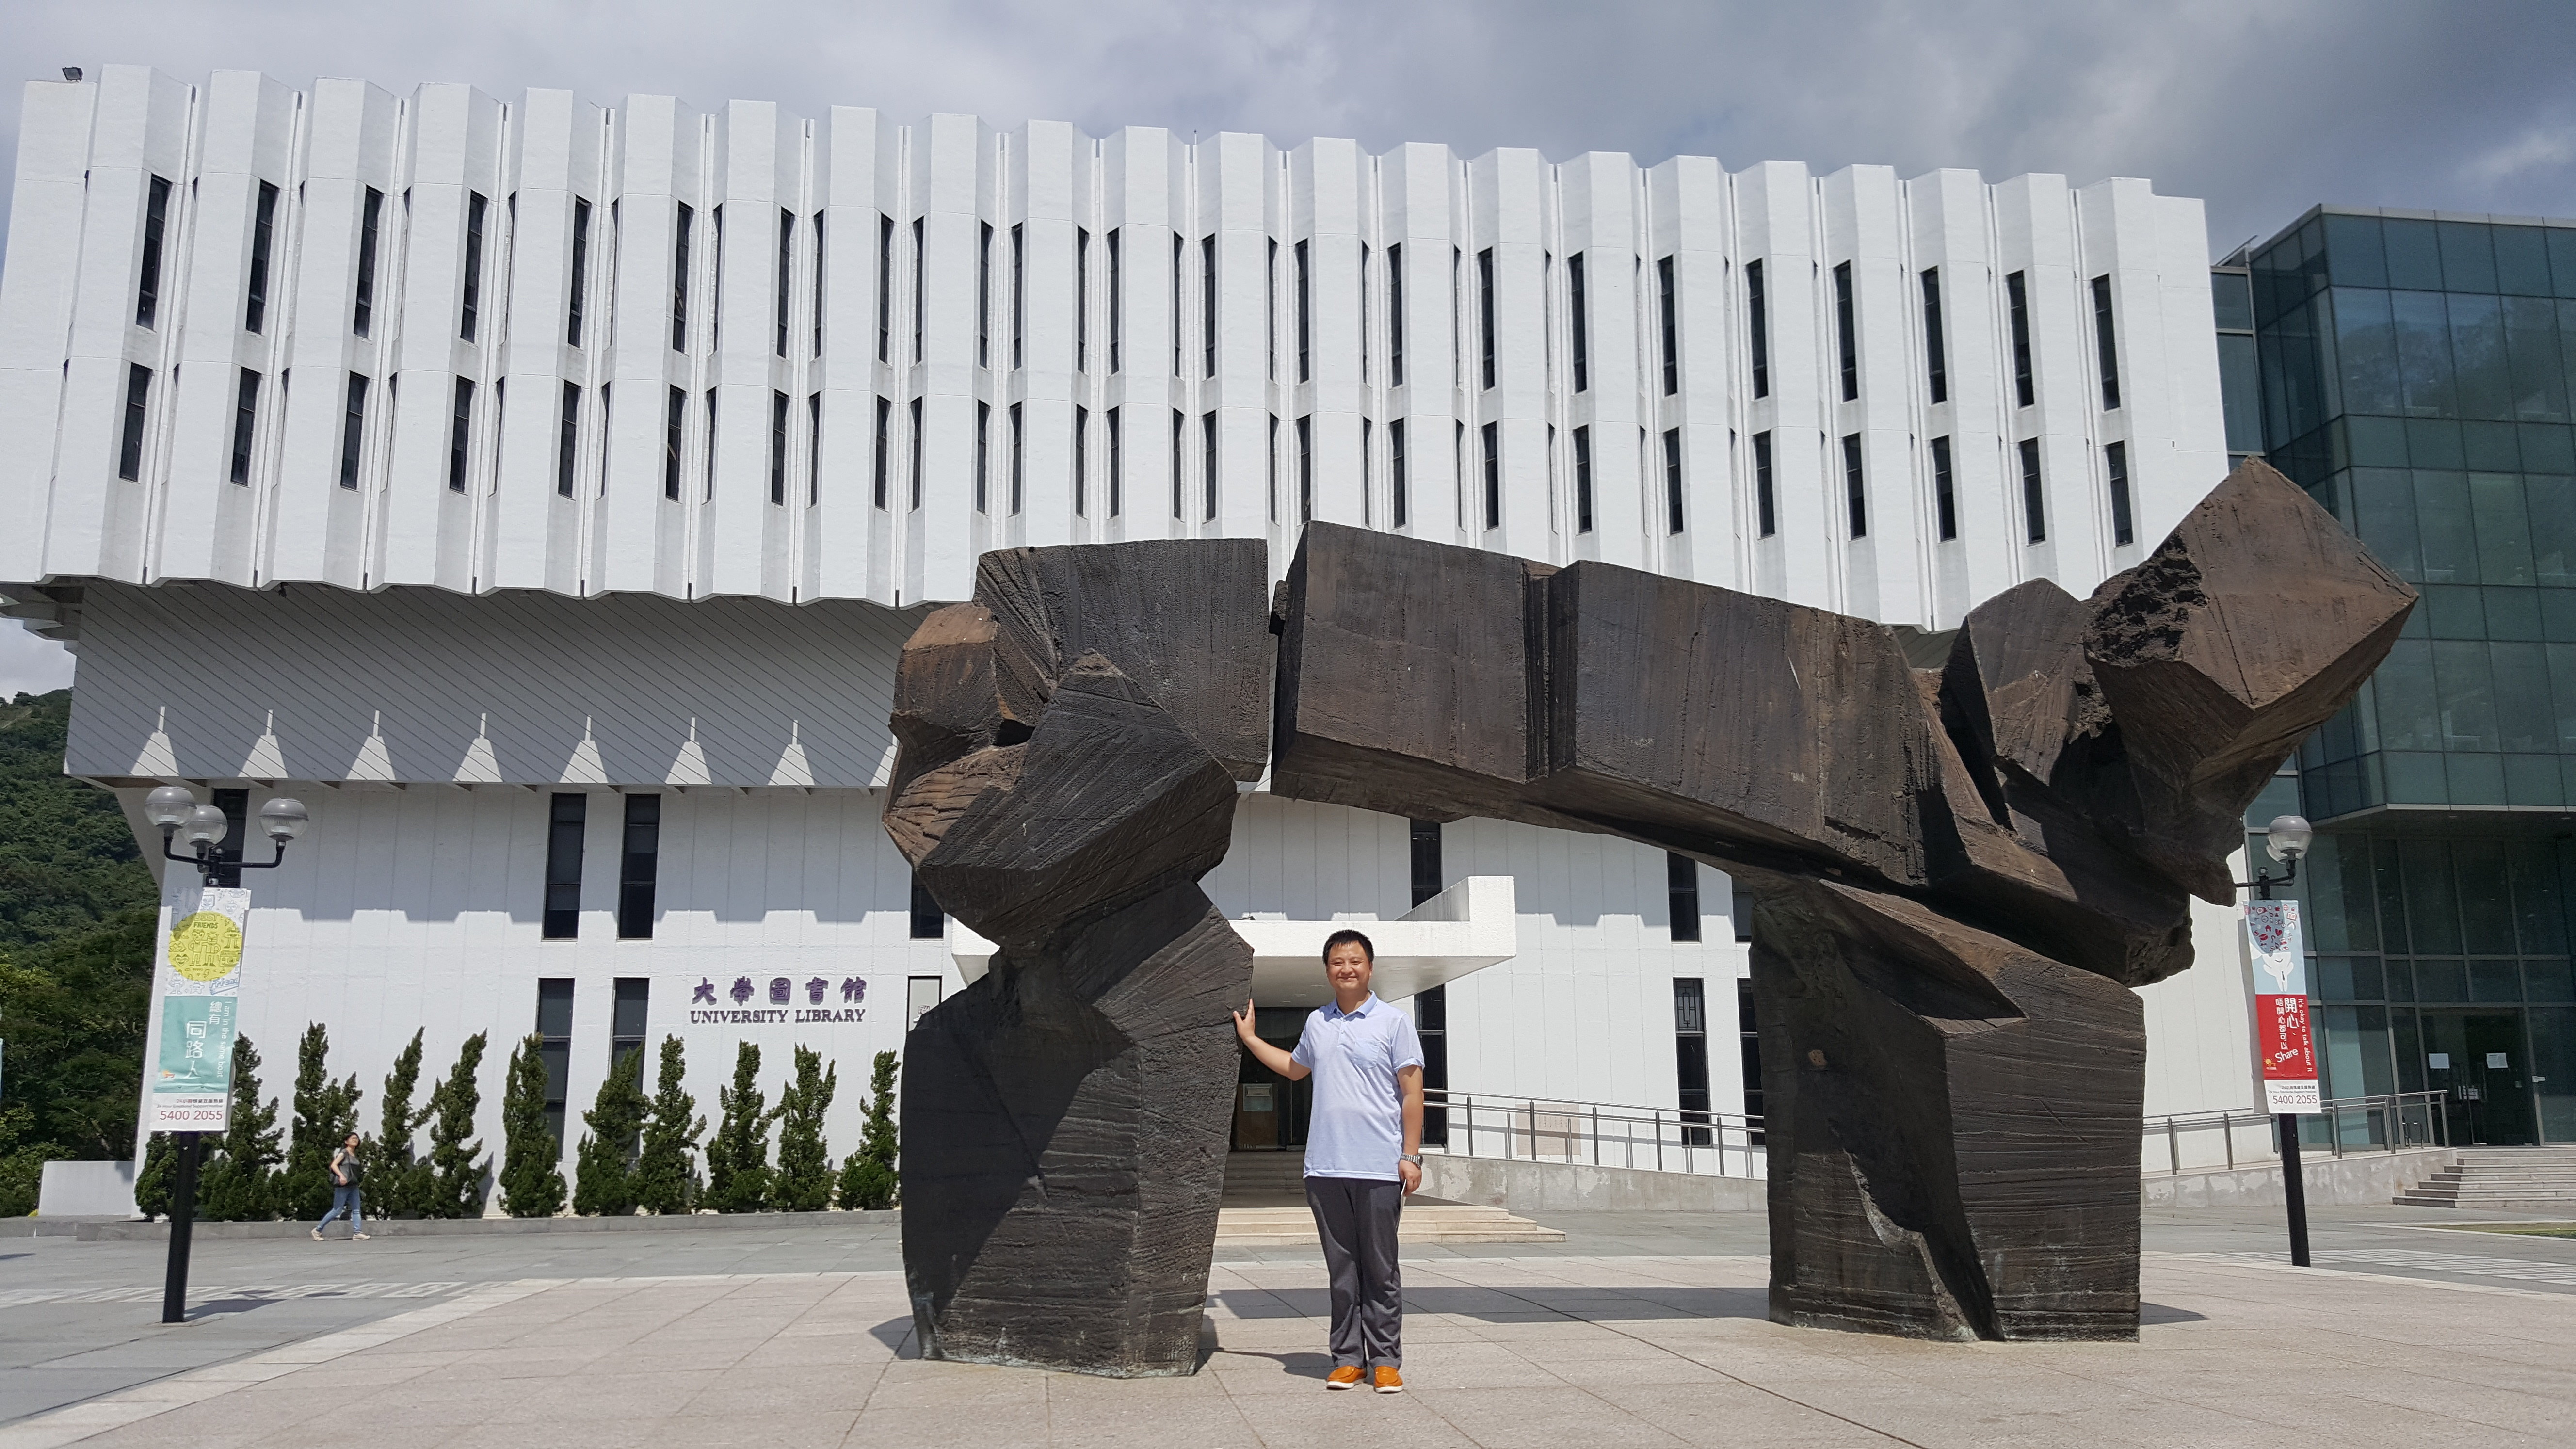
(1344, 938)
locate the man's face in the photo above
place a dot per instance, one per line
(1348, 967)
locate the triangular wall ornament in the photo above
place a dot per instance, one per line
(480, 766)
(585, 766)
(792, 769)
(375, 763)
(156, 760)
(689, 766)
(267, 759)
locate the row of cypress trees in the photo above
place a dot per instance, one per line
(640, 1153)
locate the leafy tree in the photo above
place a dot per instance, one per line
(22, 1163)
(456, 1179)
(326, 1112)
(738, 1170)
(152, 1181)
(78, 1008)
(532, 1184)
(804, 1181)
(869, 1178)
(240, 1184)
(68, 859)
(665, 1181)
(603, 1177)
(396, 1184)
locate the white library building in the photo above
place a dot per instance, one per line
(541, 491)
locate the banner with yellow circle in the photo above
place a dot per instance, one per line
(206, 946)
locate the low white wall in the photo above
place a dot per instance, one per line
(1526, 1186)
(2358, 1180)
(86, 1190)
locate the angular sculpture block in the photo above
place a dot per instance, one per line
(1069, 747)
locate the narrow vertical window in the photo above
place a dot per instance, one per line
(778, 403)
(1493, 441)
(983, 456)
(1081, 457)
(1672, 480)
(813, 441)
(353, 430)
(2106, 342)
(1945, 492)
(1846, 340)
(1180, 427)
(1018, 462)
(715, 286)
(1207, 306)
(1306, 470)
(786, 279)
(1081, 301)
(362, 316)
(245, 422)
(1690, 1048)
(1579, 321)
(2034, 498)
(917, 450)
(1270, 340)
(1583, 479)
(680, 277)
(2115, 456)
(1758, 327)
(1271, 477)
(1368, 466)
(675, 418)
(929, 923)
(1207, 467)
(639, 866)
(1936, 356)
(631, 1010)
(885, 448)
(1766, 508)
(1177, 369)
(567, 818)
(147, 282)
(568, 439)
(818, 284)
(1304, 311)
(2017, 296)
(263, 230)
(1749, 1035)
(1672, 326)
(470, 312)
(711, 443)
(920, 294)
(1399, 483)
(1855, 487)
(885, 290)
(1364, 318)
(984, 296)
(1019, 294)
(607, 392)
(1117, 466)
(580, 271)
(554, 1051)
(1431, 1026)
(1681, 890)
(1117, 301)
(1394, 315)
(1485, 311)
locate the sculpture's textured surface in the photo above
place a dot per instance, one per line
(1070, 744)
(1958, 873)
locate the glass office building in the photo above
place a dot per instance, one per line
(2414, 372)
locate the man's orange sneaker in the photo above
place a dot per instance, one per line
(1389, 1381)
(1345, 1377)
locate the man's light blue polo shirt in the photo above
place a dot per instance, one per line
(1357, 1126)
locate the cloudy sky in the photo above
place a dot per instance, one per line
(2261, 107)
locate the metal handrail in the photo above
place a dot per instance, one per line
(2388, 1121)
(1601, 1134)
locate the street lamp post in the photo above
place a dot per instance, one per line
(176, 811)
(2287, 841)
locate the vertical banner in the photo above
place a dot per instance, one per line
(187, 1087)
(2281, 1032)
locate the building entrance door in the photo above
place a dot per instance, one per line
(1269, 1110)
(2480, 1060)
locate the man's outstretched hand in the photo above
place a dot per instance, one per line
(1243, 1020)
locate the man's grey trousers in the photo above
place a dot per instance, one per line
(1355, 1216)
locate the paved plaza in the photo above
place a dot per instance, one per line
(1640, 1328)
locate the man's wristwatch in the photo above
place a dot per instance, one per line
(1413, 1157)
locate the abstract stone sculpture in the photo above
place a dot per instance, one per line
(1070, 744)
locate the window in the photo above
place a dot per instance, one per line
(1081, 456)
(627, 1024)
(1431, 1025)
(920, 294)
(818, 284)
(1672, 480)
(921, 993)
(1936, 356)
(236, 807)
(1180, 426)
(777, 447)
(983, 454)
(1945, 495)
(580, 271)
(353, 430)
(1690, 1055)
(147, 282)
(262, 230)
(1306, 470)
(1305, 299)
(813, 441)
(680, 279)
(1176, 304)
(929, 923)
(2017, 298)
(567, 818)
(1117, 465)
(675, 419)
(1395, 317)
(1270, 341)
(362, 316)
(1368, 467)
(1272, 476)
(984, 296)
(639, 865)
(245, 423)
(1672, 327)
(1758, 326)
(469, 314)
(1364, 334)
(1681, 885)
(1207, 467)
(1117, 300)
(885, 449)
(2106, 342)
(1741, 914)
(1845, 342)
(1019, 294)
(2115, 457)
(1765, 508)
(1493, 440)
(554, 1048)
(1018, 464)
(568, 439)
(1855, 487)
(1749, 1035)
(1207, 306)
(917, 450)
(2034, 503)
(1583, 479)
(885, 292)
(1579, 321)
(1485, 310)
(1398, 481)
(1081, 301)
(786, 276)
(711, 443)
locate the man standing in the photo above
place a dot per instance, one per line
(1363, 1153)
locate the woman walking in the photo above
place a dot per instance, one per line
(345, 1173)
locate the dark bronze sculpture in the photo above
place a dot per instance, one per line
(1958, 874)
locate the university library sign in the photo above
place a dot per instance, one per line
(781, 999)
